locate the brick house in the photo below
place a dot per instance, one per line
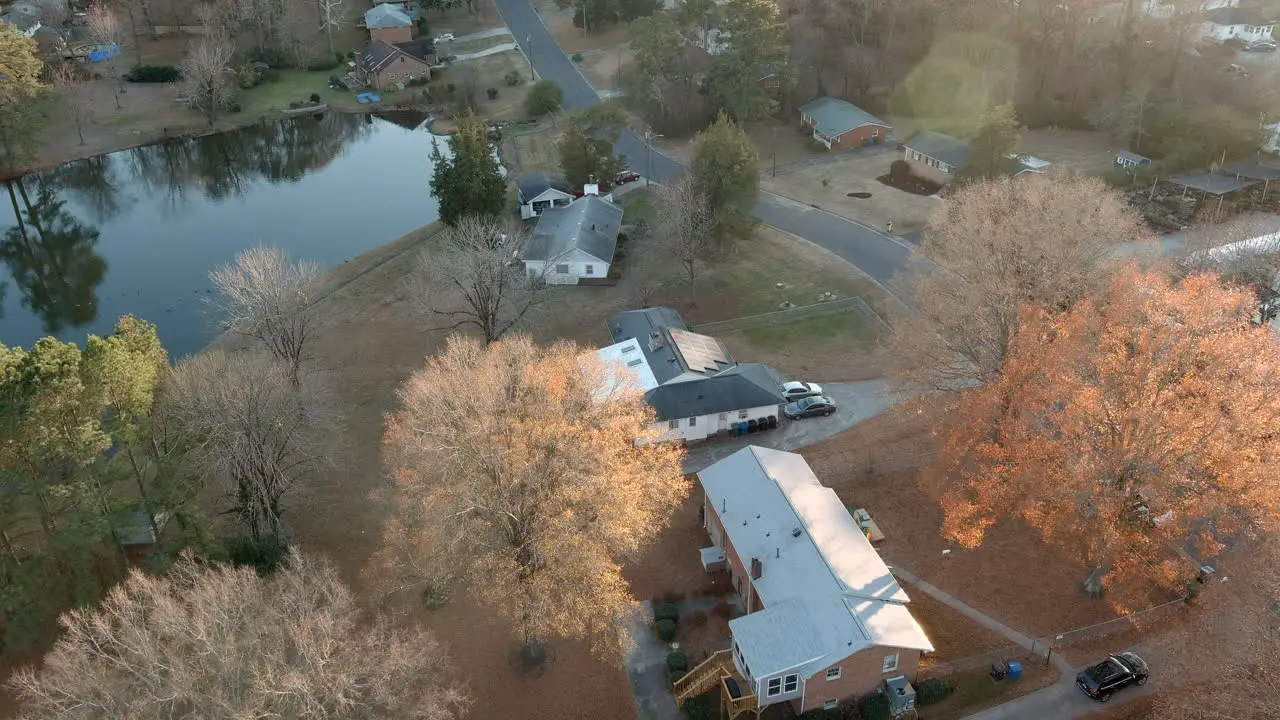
(841, 125)
(826, 619)
(389, 23)
(383, 64)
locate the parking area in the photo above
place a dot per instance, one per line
(846, 185)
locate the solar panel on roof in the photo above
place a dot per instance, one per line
(700, 353)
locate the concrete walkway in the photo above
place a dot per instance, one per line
(857, 401)
(481, 35)
(647, 669)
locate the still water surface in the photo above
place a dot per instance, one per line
(137, 231)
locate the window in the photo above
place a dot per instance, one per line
(724, 416)
(742, 414)
(693, 422)
(673, 424)
(890, 663)
(790, 683)
(875, 132)
(833, 673)
(562, 269)
(830, 704)
(591, 269)
(775, 687)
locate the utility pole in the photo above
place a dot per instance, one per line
(649, 136)
(528, 55)
(774, 150)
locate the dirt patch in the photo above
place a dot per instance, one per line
(574, 40)
(907, 182)
(474, 78)
(827, 184)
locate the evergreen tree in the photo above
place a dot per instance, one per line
(991, 150)
(469, 183)
(755, 44)
(586, 148)
(726, 169)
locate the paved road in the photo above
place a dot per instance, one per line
(1061, 701)
(870, 250)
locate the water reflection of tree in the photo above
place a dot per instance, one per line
(52, 259)
(95, 183)
(228, 164)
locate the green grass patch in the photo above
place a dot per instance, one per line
(751, 275)
(843, 326)
(295, 86)
(637, 205)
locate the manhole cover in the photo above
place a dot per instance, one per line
(860, 195)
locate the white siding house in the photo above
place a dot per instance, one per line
(701, 427)
(540, 191)
(574, 242)
(1237, 23)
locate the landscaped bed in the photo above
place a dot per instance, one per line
(908, 182)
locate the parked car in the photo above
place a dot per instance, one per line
(795, 390)
(808, 407)
(444, 37)
(1261, 46)
(1117, 671)
(626, 176)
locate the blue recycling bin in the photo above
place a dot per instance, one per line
(1015, 669)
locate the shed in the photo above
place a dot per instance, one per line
(1126, 159)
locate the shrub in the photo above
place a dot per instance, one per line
(677, 661)
(154, 74)
(418, 82)
(315, 97)
(673, 596)
(666, 611)
(874, 707)
(899, 169)
(451, 88)
(697, 618)
(615, 272)
(577, 57)
(623, 238)
(435, 596)
(1192, 589)
(492, 93)
(815, 146)
(544, 97)
(321, 65)
(513, 78)
(932, 690)
(666, 630)
(339, 58)
(235, 107)
(265, 555)
(701, 707)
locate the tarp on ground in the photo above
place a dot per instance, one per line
(1212, 183)
(1251, 169)
(104, 53)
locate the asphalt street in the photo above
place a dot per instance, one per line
(875, 253)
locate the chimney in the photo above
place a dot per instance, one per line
(591, 189)
(757, 568)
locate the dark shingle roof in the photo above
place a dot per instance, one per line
(534, 184)
(1236, 16)
(663, 360)
(742, 386)
(423, 48)
(836, 117)
(952, 151)
(589, 224)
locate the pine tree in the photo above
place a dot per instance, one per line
(469, 182)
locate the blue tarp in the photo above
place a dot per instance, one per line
(367, 97)
(105, 53)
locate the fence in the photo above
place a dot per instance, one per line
(1102, 629)
(803, 312)
(981, 660)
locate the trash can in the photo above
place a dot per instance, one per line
(997, 671)
(1015, 669)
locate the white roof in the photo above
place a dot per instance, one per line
(624, 364)
(821, 580)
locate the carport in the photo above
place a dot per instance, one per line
(1252, 169)
(1209, 183)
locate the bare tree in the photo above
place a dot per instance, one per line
(73, 94)
(686, 228)
(104, 29)
(1247, 254)
(266, 296)
(993, 247)
(473, 280)
(253, 428)
(332, 17)
(53, 13)
(513, 484)
(205, 85)
(207, 641)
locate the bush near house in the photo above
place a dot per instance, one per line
(154, 74)
(677, 661)
(874, 707)
(666, 630)
(701, 708)
(932, 690)
(666, 611)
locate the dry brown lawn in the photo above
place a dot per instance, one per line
(953, 635)
(456, 19)
(604, 69)
(574, 40)
(974, 690)
(1083, 151)
(490, 72)
(828, 184)
(527, 150)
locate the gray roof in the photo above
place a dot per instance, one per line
(534, 184)
(662, 358)
(952, 151)
(1252, 169)
(380, 53)
(1212, 183)
(589, 224)
(24, 19)
(836, 117)
(747, 385)
(386, 15)
(135, 528)
(1133, 157)
(1236, 16)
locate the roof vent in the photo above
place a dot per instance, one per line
(655, 340)
(795, 532)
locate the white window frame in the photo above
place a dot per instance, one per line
(590, 269)
(792, 680)
(564, 271)
(831, 705)
(890, 664)
(724, 416)
(875, 132)
(742, 414)
(693, 422)
(833, 673)
(772, 690)
(673, 424)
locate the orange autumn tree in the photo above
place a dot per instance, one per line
(1138, 418)
(513, 477)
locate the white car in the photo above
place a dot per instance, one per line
(444, 37)
(796, 390)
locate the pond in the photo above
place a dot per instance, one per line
(137, 231)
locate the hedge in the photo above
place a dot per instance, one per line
(666, 630)
(932, 690)
(154, 74)
(666, 611)
(677, 661)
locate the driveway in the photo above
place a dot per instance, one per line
(870, 250)
(487, 51)
(1060, 701)
(857, 402)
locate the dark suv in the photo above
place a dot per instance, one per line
(1119, 670)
